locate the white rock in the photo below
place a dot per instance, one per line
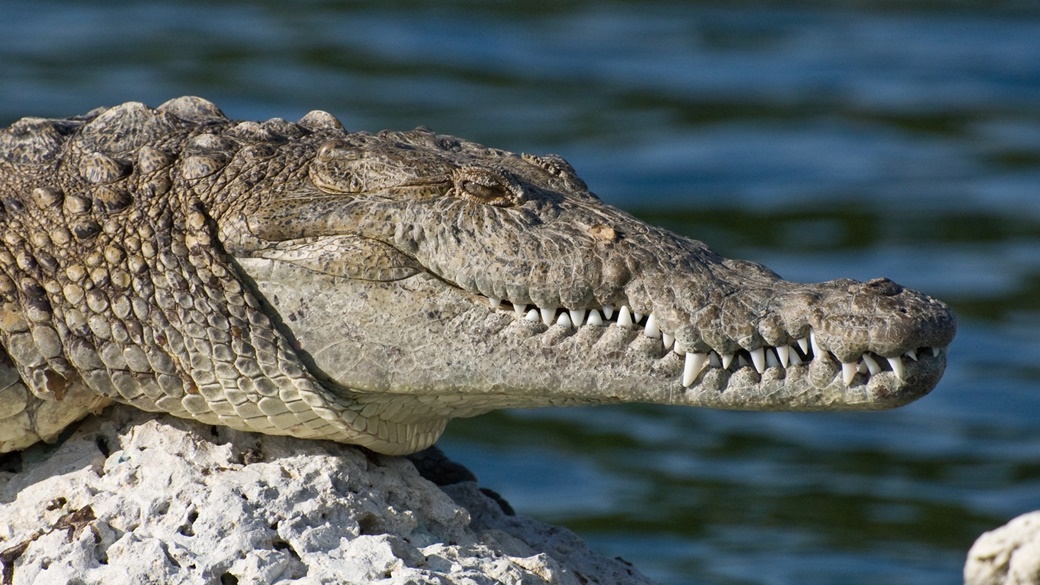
(1009, 555)
(132, 498)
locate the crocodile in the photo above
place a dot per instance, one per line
(300, 279)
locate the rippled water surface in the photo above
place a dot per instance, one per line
(823, 139)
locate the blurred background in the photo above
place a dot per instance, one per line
(823, 138)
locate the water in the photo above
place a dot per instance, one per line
(824, 139)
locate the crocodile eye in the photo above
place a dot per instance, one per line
(485, 192)
(488, 187)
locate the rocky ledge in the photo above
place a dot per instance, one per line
(1009, 555)
(131, 497)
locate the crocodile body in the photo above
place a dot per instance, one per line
(295, 278)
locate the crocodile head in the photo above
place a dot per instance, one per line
(393, 281)
(430, 277)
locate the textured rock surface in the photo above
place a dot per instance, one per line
(129, 498)
(1009, 555)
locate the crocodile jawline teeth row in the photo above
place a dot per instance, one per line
(800, 353)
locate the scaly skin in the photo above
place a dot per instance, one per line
(298, 279)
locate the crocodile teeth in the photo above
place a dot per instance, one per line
(783, 356)
(758, 358)
(872, 365)
(848, 372)
(624, 317)
(652, 330)
(771, 359)
(804, 344)
(897, 366)
(692, 366)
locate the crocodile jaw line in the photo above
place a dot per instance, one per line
(461, 353)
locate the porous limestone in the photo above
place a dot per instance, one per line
(1009, 555)
(135, 498)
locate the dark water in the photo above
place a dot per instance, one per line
(824, 139)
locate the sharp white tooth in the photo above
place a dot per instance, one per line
(758, 358)
(577, 316)
(548, 316)
(713, 360)
(668, 340)
(848, 372)
(608, 311)
(862, 368)
(495, 303)
(532, 315)
(521, 310)
(624, 317)
(636, 317)
(771, 359)
(897, 366)
(727, 359)
(817, 352)
(565, 319)
(652, 330)
(804, 344)
(872, 365)
(784, 353)
(796, 360)
(935, 351)
(912, 354)
(594, 318)
(693, 366)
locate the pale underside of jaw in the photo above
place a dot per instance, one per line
(804, 351)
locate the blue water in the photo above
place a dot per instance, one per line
(825, 139)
